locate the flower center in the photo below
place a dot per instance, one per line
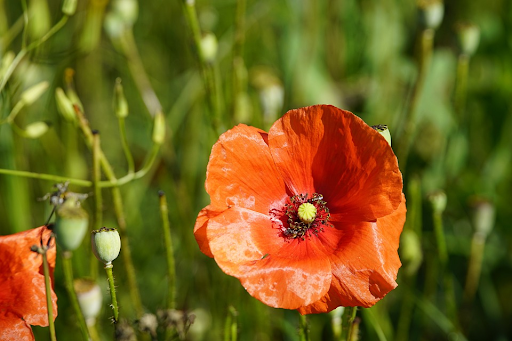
(306, 216)
(307, 212)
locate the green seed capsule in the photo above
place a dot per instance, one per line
(106, 244)
(70, 225)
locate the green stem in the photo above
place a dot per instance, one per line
(49, 177)
(347, 322)
(441, 242)
(68, 277)
(98, 202)
(208, 75)
(461, 85)
(234, 325)
(126, 148)
(129, 48)
(110, 276)
(475, 266)
(425, 44)
(49, 304)
(303, 328)
(238, 60)
(126, 251)
(171, 272)
(23, 52)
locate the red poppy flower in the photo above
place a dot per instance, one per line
(22, 288)
(308, 216)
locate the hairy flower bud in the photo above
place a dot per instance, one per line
(106, 244)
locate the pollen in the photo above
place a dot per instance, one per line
(307, 213)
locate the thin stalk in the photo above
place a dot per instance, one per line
(129, 48)
(23, 52)
(171, 272)
(234, 325)
(347, 322)
(98, 199)
(227, 327)
(110, 276)
(304, 328)
(68, 277)
(48, 289)
(208, 76)
(49, 177)
(354, 331)
(426, 41)
(126, 251)
(441, 242)
(126, 148)
(475, 266)
(238, 60)
(461, 85)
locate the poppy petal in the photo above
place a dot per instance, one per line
(200, 229)
(21, 276)
(330, 151)
(246, 245)
(241, 171)
(365, 266)
(13, 328)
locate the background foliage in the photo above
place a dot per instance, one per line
(357, 55)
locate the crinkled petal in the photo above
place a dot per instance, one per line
(200, 228)
(366, 264)
(277, 271)
(330, 151)
(21, 276)
(241, 171)
(13, 328)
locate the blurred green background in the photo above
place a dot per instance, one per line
(258, 60)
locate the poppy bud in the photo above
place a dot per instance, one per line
(64, 105)
(127, 10)
(483, 217)
(89, 298)
(36, 130)
(33, 93)
(468, 37)
(6, 61)
(411, 254)
(70, 225)
(384, 131)
(69, 7)
(106, 244)
(209, 47)
(438, 201)
(159, 128)
(430, 13)
(120, 104)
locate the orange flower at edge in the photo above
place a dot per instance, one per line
(256, 182)
(22, 287)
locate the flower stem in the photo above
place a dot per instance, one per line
(426, 41)
(304, 328)
(461, 85)
(475, 266)
(23, 52)
(171, 272)
(347, 323)
(49, 305)
(110, 276)
(98, 202)
(208, 75)
(136, 67)
(68, 277)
